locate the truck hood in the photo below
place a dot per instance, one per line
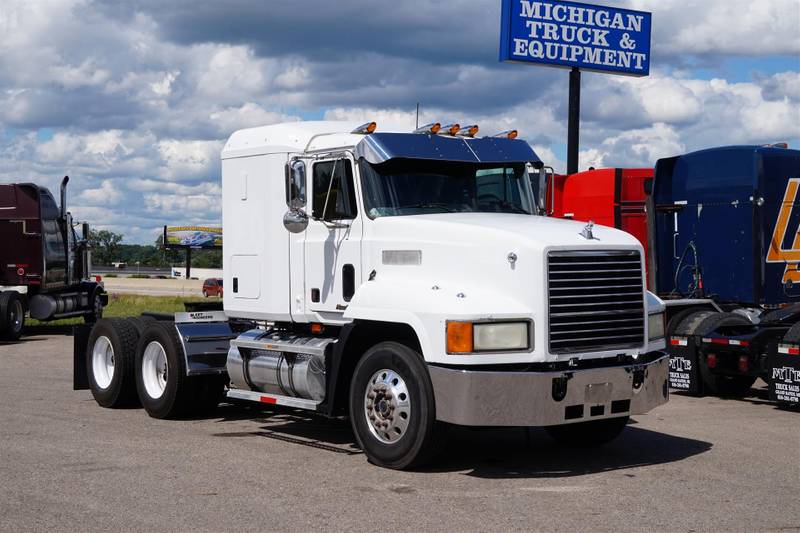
(477, 229)
(426, 269)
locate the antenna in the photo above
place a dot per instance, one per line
(417, 126)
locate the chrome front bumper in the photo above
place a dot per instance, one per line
(490, 398)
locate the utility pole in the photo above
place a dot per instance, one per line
(574, 124)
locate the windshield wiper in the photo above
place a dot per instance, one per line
(427, 205)
(513, 207)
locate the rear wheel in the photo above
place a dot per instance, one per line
(161, 381)
(392, 407)
(588, 434)
(12, 315)
(109, 362)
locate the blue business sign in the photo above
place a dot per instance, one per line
(570, 34)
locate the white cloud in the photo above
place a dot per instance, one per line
(106, 194)
(194, 204)
(188, 160)
(636, 148)
(742, 27)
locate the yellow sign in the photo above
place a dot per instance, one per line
(193, 236)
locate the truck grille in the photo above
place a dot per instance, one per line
(596, 300)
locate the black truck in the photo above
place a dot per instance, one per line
(44, 266)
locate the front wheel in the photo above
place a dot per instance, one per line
(588, 434)
(392, 407)
(12, 315)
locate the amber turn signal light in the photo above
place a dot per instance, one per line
(459, 337)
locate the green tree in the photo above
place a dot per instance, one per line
(105, 246)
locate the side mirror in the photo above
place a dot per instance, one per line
(542, 196)
(296, 184)
(295, 221)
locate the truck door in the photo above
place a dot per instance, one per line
(332, 239)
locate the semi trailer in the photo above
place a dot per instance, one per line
(404, 280)
(44, 267)
(720, 232)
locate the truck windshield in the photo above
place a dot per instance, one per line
(414, 187)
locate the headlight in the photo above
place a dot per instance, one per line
(655, 326)
(468, 337)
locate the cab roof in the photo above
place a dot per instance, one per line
(316, 136)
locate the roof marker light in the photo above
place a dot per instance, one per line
(468, 131)
(451, 129)
(431, 129)
(365, 129)
(509, 134)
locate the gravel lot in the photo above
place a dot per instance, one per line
(66, 464)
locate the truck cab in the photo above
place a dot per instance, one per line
(435, 239)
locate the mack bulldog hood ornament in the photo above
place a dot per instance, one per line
(586, 233)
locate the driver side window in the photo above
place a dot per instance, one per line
(338, 177)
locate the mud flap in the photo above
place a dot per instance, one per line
(80, 341)
(684, 372)
(783, 367)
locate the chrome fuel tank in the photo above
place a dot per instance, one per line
(280, 363)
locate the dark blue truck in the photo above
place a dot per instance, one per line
(725, 233)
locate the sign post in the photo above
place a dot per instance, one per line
(577, 36)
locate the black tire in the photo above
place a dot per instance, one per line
(121, 337)
(12, 315)
(205, 294)
(180, 394)
(588, 434)
(96, 303)
(689, 325)
(422, 437)
(677, 319)
(141, 322)
(793, 335)
(719, 384)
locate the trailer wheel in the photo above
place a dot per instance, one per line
(12, 315)
(392, 407)
(164, 389)
(719, 384)
(110, 355)
(588, 434)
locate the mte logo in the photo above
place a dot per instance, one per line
(777, 253)
(786, 374)
(680, 364)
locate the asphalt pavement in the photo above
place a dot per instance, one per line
(695, 464)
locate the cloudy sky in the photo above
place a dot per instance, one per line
(135, 98)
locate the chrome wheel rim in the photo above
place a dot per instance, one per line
(15, 319)
(154, 370)
(103, 362)
(387, 406)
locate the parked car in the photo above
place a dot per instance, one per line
(212, 287)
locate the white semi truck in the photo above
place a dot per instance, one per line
(408, 281)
